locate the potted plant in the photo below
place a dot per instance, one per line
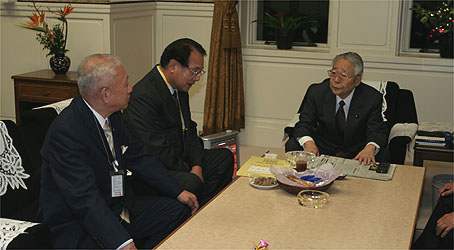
(284, 26)
(52, 38)
(440, 22)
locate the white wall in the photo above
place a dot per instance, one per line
(275, 80)
(124, 30)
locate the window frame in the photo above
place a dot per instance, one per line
(252, 7)
(405, 34)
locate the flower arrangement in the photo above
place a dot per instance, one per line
(51, 38)
(439, 21)
(283, 21)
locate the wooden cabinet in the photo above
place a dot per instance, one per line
(42, 87)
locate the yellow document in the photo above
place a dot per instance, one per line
(260, 166)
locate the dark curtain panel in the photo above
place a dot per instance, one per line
(224, 98)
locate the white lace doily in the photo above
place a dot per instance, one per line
(9, 229)
(11, 171)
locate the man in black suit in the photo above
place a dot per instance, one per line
(158, 114)
(83, 197)
(356, 130)
(438, 232)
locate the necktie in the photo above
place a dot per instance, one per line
(109, 136)
(175, 98)
(340, 119)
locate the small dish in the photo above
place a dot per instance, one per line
(262, 182)
(300, 159)
(313, 198)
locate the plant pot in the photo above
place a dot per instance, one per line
(60, 64)
(446, 45)
(284, 38)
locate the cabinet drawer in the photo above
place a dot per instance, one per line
(46, 92)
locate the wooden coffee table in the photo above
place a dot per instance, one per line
(361, 213)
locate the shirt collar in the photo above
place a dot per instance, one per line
(171, 89)
(99, 117)
(347, 99)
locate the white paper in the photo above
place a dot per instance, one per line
(259, 170)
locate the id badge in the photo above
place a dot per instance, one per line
(117, 183)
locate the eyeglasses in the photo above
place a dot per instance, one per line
(197, 73)
(342, 76)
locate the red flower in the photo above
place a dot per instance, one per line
(42, 17)
(53, 38)
(34, 18)
(66, 10)
(281, 18)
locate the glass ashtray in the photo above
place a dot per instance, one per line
(312, 198)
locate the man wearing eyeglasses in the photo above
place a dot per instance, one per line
(158, 114)
(342, 116)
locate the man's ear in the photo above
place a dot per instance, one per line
(357, 80)
(104, 94)
(172, 65)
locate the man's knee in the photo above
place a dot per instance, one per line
(193, 184)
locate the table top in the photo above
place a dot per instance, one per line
(361, 213)
(48, 76)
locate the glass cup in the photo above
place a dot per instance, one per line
(300, 160)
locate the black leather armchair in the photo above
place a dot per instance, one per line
(400, 117)
(19, 203)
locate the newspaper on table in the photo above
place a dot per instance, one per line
(351, 168)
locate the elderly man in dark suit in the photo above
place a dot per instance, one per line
(342, 116)
(159, 115)
(85, 155)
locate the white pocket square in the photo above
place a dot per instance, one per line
(123, 149)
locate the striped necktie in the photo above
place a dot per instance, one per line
(109, 136)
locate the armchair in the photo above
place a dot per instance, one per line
(399, 115)
(20, 174)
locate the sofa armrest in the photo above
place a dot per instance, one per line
(403, 130)
(24, 235)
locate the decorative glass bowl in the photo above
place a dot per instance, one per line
(298, 189)
(300, 159)
(313, 198)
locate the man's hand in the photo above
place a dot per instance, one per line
(367, 155)
(447, 189)
(310, 146)
(445, 224)
(189, 199)
(197, 170)
(130, 246)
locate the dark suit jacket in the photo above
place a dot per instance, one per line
(153, 117)
(75, 198)
(364, 122)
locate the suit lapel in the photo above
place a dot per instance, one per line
(92, 124)
(330, 111)
(164, 93)
(354, 114)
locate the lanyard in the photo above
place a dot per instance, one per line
(183, 125)
(113, 163)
